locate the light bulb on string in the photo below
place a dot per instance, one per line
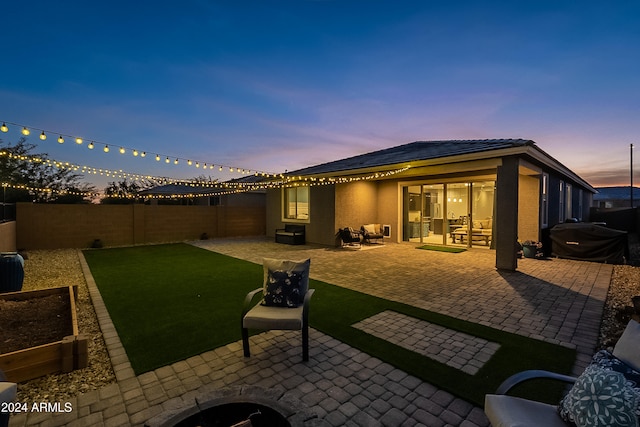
(143, 154)
(4, 127)
(157, 157)
(78, 140)
(106, 149)
(43, 136)
(60, 140)
(122, 150)
(135, 153)
(25, 131)
(189, 162)
(166, 160)
(90, 146)
(175, 162)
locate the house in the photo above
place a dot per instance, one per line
(616, 197)
(497, 191)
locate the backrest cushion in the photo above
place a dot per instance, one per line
(627, 348)
(369, 228)
(285, 282)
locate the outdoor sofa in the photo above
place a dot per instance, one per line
(291, 234)
(612, 380)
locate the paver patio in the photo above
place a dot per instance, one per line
(559, 301)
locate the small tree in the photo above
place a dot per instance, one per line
(44, 182)
(124, 192)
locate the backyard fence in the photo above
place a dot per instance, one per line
(51, 226)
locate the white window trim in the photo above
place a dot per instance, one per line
(544, 200)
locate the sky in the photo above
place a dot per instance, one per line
(277, 85)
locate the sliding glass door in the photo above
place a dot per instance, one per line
(456, 213)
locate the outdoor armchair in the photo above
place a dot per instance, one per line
(284, 304)
(610, 376)
(349, 236)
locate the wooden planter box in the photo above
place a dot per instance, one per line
(61, 356)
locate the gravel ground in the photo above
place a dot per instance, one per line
(44, 269)
(50, 269)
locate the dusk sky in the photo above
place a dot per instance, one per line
(281, 85)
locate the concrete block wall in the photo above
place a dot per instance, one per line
(44, 226)
(8, 236)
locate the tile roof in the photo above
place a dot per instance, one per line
(414, 151)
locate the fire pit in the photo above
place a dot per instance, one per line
(232, 406)
(231, 414)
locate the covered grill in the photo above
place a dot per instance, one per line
(589, 242)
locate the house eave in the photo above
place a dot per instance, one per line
(478, 159)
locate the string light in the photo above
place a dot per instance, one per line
(157, 157)
(106, 149)
(90, 146)
(61, 139)
(43, 136)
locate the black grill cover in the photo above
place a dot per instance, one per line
(589, 242)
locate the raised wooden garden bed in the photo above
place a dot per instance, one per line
(47, 320)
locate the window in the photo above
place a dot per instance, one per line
(580, 195)
(296, 203)
(544, 201)
(568, 203)
(561, 200)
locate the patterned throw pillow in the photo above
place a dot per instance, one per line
(603, 395)
(283, 289)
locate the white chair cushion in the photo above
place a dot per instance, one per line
(509, 411)
(627, 348)
(264, 317)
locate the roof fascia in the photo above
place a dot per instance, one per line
(544, 158)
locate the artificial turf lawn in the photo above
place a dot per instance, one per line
(170, 302)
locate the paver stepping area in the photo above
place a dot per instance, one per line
(453, 348)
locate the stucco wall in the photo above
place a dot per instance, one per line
(529, 208)
(319, 228)
(43, 226)
(323, 205)
(389, 205)
(356, 204)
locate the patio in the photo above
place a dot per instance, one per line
(340, 385)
